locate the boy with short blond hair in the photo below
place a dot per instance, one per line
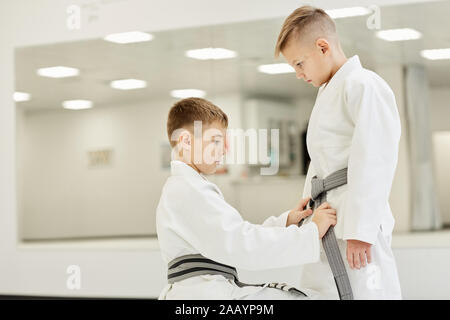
(203, 239)
(352, 139)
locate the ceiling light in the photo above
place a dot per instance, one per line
(399, 34)
(21, 96)
(186, 93)
(348, 12)
(128, 37)
(128, 84)
(58, 72)
(275, 68)
(77, 104)
(211, 54)
(436, 54)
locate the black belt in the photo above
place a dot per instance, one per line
(192, 265)
(319, 188)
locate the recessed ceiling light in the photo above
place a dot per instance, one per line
(77, 104)
(58, 72)
(186, 93)
(348, 12)
(211, 54)
(129, 37)
(399, 34)
(436, 54)
(128, 84)
(21, 96)
(275, 68)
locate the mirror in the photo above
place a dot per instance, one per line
(98, 172)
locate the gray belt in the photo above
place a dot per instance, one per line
(192, 265)
(319, 188)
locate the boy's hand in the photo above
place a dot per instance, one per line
(324, 217)
(357, 252)
(297, 214)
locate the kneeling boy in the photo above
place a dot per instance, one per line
(203, 238)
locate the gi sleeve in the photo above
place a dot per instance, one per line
(279, 221)
(217, 231)
(373, 156)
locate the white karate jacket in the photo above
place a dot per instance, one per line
(193, 217)
(355, 123)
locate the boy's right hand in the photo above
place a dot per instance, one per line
(324, 216)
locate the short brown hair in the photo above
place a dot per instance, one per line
(303, 22)
(186, 111)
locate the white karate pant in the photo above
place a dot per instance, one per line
(276, 294)
(378, 280)
(212, 287)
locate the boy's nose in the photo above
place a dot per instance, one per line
(300, 75)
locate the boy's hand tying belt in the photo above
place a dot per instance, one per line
(297, 214)
(357, 252)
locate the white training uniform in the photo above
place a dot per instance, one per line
(355, 124)
(193, 218)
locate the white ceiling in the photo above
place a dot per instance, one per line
(162, 63)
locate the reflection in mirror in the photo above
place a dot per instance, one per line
(92, 150)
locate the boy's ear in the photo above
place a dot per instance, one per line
(323, 45)
(185, 140)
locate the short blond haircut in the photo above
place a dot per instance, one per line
(186, 111)
(308, 23)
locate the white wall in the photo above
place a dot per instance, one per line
(440, 125)
(440, 108)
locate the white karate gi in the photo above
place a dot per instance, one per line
(355, 124)
(193, 217)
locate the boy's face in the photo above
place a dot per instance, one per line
(312, 63)
(212, 146)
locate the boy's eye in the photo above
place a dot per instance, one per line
(299, 64)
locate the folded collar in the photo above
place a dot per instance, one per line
(349, 66)
(179, 168)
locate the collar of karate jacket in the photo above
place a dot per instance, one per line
(350, 65)
(179, 168)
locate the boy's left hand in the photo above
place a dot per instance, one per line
(357, 253)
